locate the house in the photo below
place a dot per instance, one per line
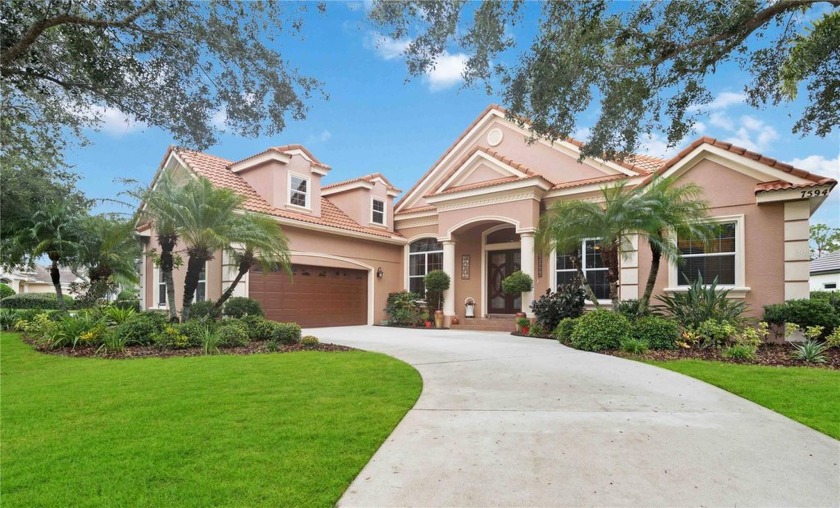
(38, 279)
(825, 272)
(474, 214)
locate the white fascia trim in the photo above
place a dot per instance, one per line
(793, 194)
(370, 271)
(591, 187)
(744, 165)
(262, 158)
(416, 215)
(346, 187)
(537, 183)
(469, 167)
(392, 193)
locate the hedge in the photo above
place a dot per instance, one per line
(43, 301)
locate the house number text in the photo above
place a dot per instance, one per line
(814, 193)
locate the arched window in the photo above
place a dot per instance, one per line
(424, 255)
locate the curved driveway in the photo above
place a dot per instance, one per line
(511, 421)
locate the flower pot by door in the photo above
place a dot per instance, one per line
(438, 319)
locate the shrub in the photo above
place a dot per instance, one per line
(713, 333)
(833, 339)
(5, 291)
(739, 352)
(118, 315)
(630, 309)
(196, 330)
(141, 328)
(112, 342)
(309, 341)
(210, 341)
(552, 307)
(565, 328)
(240, 306)
(436, 282)
(804, 313)
(43, 301)
(204, 309)
(634, 346)
(658, 332)
(7, 319)
(272, 346)
(402, 308)
(26, 314)
(517, 283)
(258, 328)
(535, 330)
(752, 337)
(809, 351)
(127, 299)
(286, 333)
(171, 337)
(84, 328)
(701, 303)
(233, 333)
(832, 297)
(600, 329)
(39, 325)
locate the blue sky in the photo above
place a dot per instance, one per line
(375, 121)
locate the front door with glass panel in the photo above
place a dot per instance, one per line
(500, 264)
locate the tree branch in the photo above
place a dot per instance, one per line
(41, 26)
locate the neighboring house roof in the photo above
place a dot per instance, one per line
(216, 169)
(41, 275)
(827, 263)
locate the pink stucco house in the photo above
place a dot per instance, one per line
(474, 214)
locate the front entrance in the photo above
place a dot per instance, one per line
(500, 264)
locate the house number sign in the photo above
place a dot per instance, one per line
(465, 266)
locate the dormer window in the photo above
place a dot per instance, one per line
(298, 190)
(377, 211)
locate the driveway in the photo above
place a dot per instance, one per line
(511, 421)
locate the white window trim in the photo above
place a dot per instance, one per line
(200, 280)
(307, 194)
(553, 264)
(737, 290)
(408, 275)
(384, 212)
(156, 294)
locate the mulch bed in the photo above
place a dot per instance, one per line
(776, 355)
(131, 352)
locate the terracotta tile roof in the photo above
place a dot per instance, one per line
(487, 183)
(367, 178)
(216, 170)
(417, 209)
(776, 185)
(587, 181)
(284, 150)
(636, 162)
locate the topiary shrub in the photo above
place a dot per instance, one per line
(233, 333)
(517, 283)
(600, 329)
(141, 329)
(43, 301)
(564, 330)
(552, 307)
(436, 282)
(240, 306)
(127, 299)
(5, 291)
(203, 309)
(285, 333)
(258, 328)
(660, 333)
(805, 313)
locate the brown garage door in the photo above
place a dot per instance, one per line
(314, 296)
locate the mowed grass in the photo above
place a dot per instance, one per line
(808, 395)
(260, 430)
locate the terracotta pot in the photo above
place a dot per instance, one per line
(438, 319)
(428, 324)
(524, 330)
(455, 320)
(517, 328)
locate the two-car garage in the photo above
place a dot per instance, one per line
(314, 295)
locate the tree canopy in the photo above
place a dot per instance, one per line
(644, 64)
(177, 64)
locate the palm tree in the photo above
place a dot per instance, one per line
(108, 249)
(55, 232)
(160, 208)
(674, 212)
(566, 224)
(262, 244)
(206, 220)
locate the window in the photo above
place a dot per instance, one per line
(161, 299)
(298, 191)
(829, 285)
(377, 211)
(592, 265)
(715, 259)
(423, 256)
(201, 289)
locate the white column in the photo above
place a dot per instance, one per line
(449, 268)
(526, 249)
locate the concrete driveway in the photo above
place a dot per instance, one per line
(511, 421)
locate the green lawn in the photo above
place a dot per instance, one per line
(807, 395)
(262, 430)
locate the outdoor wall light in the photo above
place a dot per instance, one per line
(379, 273)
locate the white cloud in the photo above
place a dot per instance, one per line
(448, 71)
(753, 134)
(386, 47)
(323, 137)
(219, 119)
(724, 100)
(699, 128)
(657, 146)
(722, 120)
(819, 165)
(582, 134)
(113, 121)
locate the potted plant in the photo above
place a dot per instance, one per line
(523, 325)
(436, 282)
(424, 316)
(518, 283)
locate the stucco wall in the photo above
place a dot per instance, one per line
(818, 282)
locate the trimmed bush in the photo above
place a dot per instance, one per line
(564, 330)
(600, 329)
(240, 306)
(43, 301)
(658, 332)
(203, 309)
(402, 308)
(258, 328)
(630, 309)
(127, 299)
(309, 341)
(436, 282)
(196, 330)
(805, 313)
(552, 307)
(141, 328)
(517, 283)
(233, 333)
(634, 346)
(832, 297)
(171, 337)
(739, 352)
(285, 333)
(5, 291)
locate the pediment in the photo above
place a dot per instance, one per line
(481, 166)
